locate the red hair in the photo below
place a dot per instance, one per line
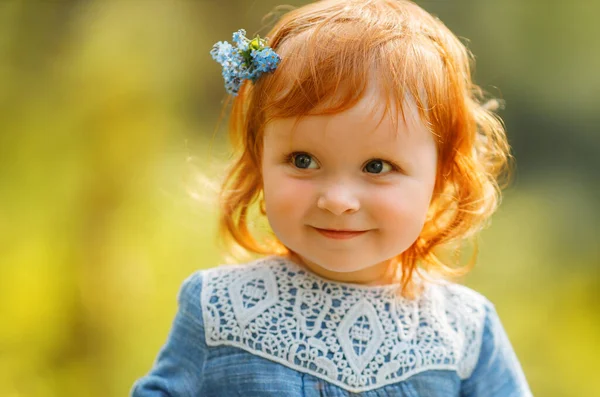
(330, 50)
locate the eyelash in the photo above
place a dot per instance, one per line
(289, 159)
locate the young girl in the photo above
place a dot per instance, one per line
(366, 145)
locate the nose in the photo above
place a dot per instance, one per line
(338, 200)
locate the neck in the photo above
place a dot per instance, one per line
(380, 274)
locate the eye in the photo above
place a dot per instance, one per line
(379, 166)
(302, 161)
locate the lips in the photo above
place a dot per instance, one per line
(340, 234)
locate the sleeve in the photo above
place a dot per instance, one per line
(178, 368)
(498, 372)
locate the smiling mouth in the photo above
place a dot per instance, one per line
(340, 234)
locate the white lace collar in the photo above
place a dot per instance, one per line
(359, 338)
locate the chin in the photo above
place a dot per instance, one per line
(341, 265)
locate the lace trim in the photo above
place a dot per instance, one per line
(357, 338)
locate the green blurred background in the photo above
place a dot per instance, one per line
(108, 116)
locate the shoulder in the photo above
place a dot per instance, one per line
(463, 315)
(454, 291)
(264, 274)
(191, 288)
(491, 366)
(222, 291)
(457, 298)
(201, 281)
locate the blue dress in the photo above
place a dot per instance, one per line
(271, 328)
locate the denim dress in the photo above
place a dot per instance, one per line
(272, 328)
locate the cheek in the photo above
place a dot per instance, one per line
(285, 196)
(402, 207)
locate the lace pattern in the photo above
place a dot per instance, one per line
(359, 338)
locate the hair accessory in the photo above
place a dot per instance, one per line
(248, 60)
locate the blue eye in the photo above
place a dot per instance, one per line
(377, 166)
(302, 161)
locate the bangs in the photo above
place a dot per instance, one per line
(328, 62)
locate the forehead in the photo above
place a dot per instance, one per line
(372, 120)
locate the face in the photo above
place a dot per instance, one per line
(348, 192)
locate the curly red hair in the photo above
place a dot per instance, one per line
(329, 50)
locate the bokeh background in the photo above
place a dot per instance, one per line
(108, 117)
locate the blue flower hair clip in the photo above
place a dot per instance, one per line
(248, 60)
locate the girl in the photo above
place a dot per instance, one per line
(367, 146)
